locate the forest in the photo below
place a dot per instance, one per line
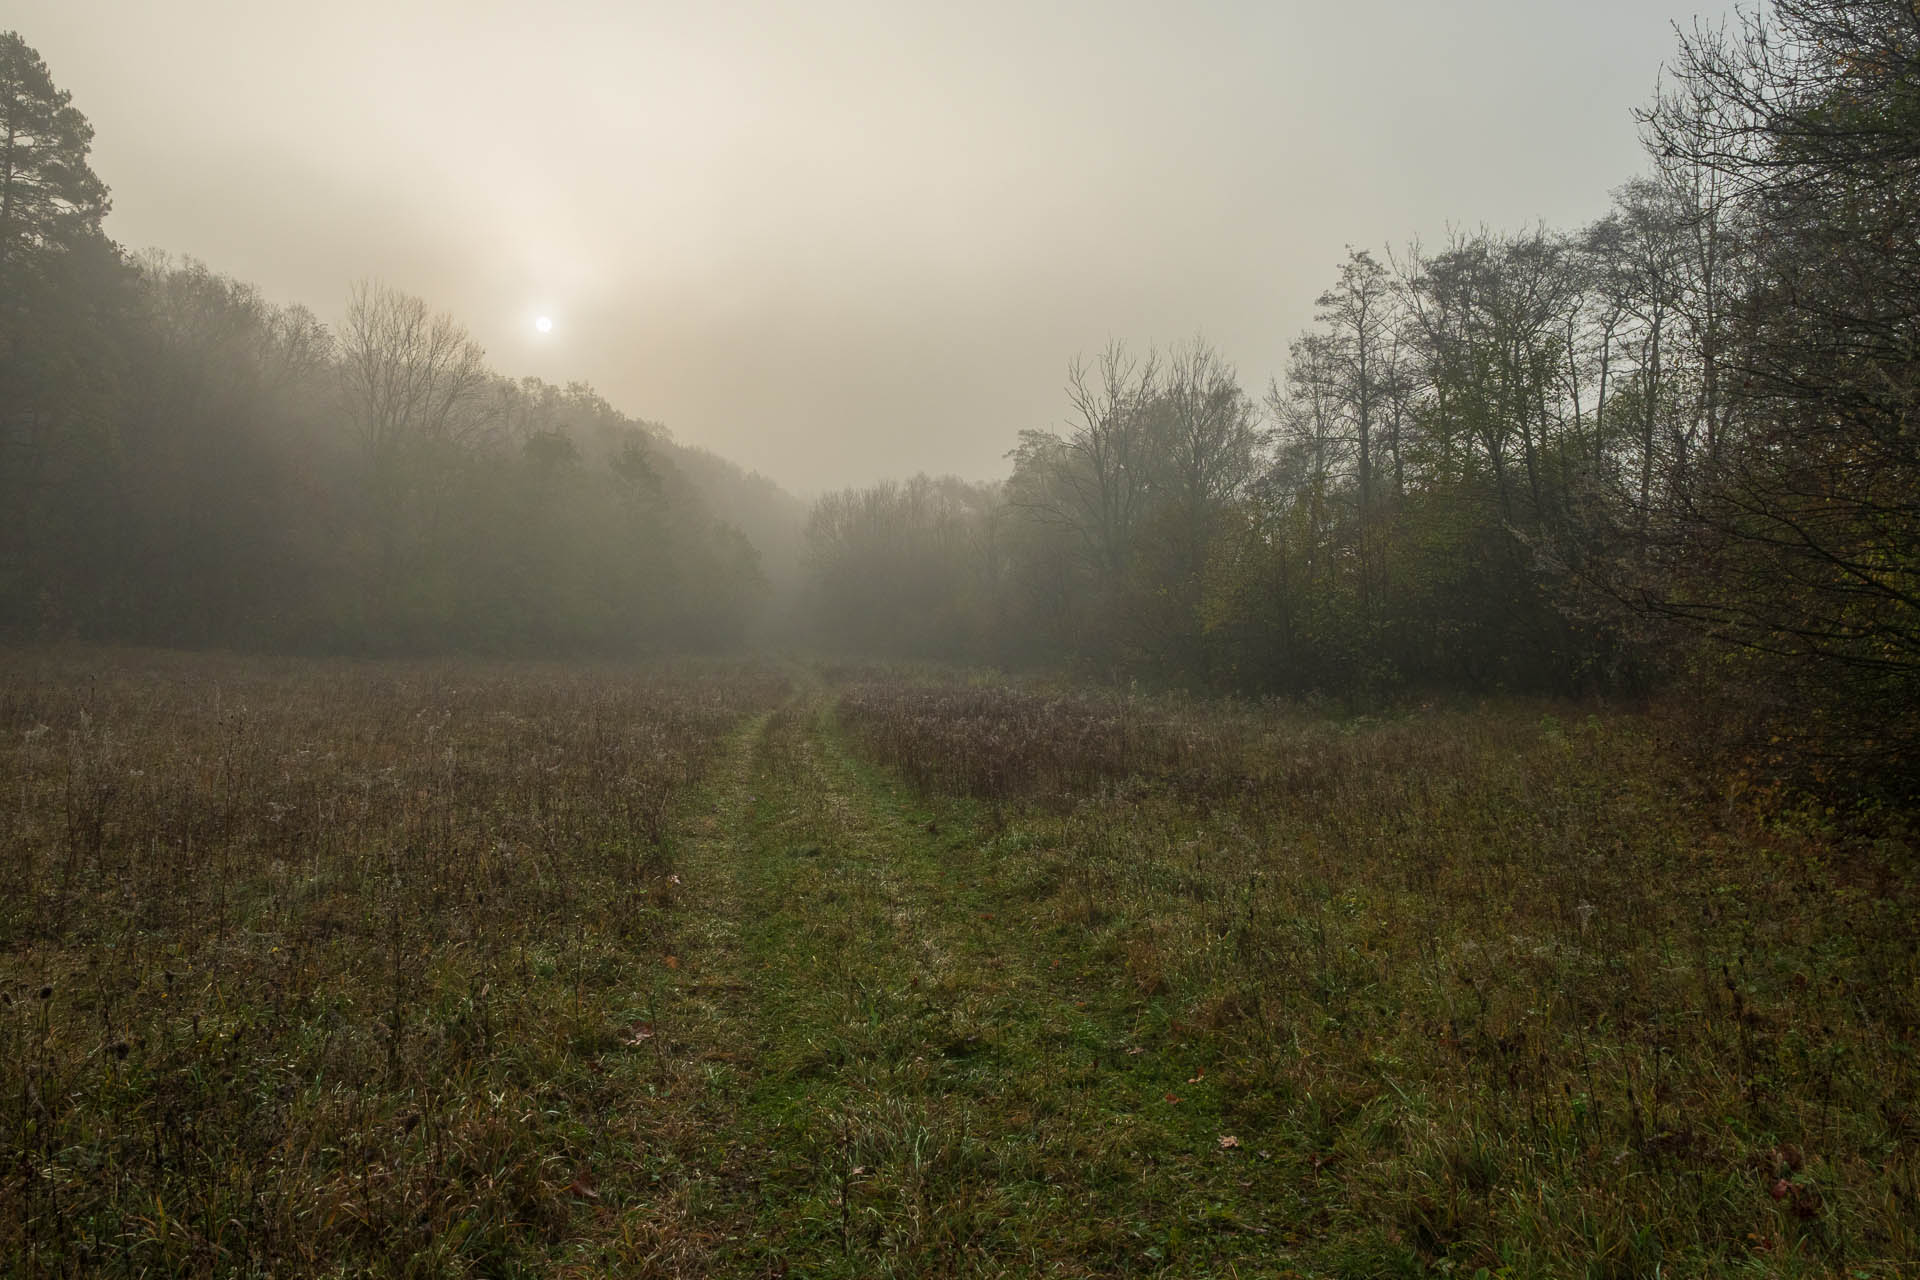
(187, 463)
(1670, 450)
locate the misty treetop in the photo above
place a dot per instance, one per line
(186, 462)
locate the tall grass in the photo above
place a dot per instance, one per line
(334, 967)
(1006, 742)
(1504, 988)
(313, 966)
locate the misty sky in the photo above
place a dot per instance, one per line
(837, 241)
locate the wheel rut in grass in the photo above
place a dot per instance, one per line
(886, 1064)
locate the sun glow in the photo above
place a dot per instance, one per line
(543, 323)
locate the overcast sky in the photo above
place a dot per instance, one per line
(837, 241)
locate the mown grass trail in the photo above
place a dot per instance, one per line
(886, 1064)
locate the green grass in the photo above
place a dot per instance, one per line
(708, 970)
(1493, 989)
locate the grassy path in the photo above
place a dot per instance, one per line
(512, 971)
(874, 1055)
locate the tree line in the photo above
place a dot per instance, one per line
(1675, 449)
(184, 462)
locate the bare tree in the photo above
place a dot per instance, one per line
(411, 376)
(1102, 478)
(1211, 434)
(1358, 314)
(1802, 546)
(417, 388)
(1311, 445)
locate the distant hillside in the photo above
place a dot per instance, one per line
(772, 518)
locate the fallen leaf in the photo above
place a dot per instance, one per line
(1229, 1143)
(1135, 1050)
(639, 1033)
(1174, 1098)
(1197, 1076)
(673, 962)
(581, 1187)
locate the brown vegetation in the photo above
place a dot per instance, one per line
(1523, 986)
(308, 965)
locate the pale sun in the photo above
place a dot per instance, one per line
(543, 323)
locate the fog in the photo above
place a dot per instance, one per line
(841, 241)
(546, 553)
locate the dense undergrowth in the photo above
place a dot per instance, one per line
(1512, 988)
(311, 967)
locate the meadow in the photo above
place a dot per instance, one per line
(313, 966)
(705, 968)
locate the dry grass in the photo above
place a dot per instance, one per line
(458, 969)
(1502, 988)
(318, 966)
(1004, 742)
